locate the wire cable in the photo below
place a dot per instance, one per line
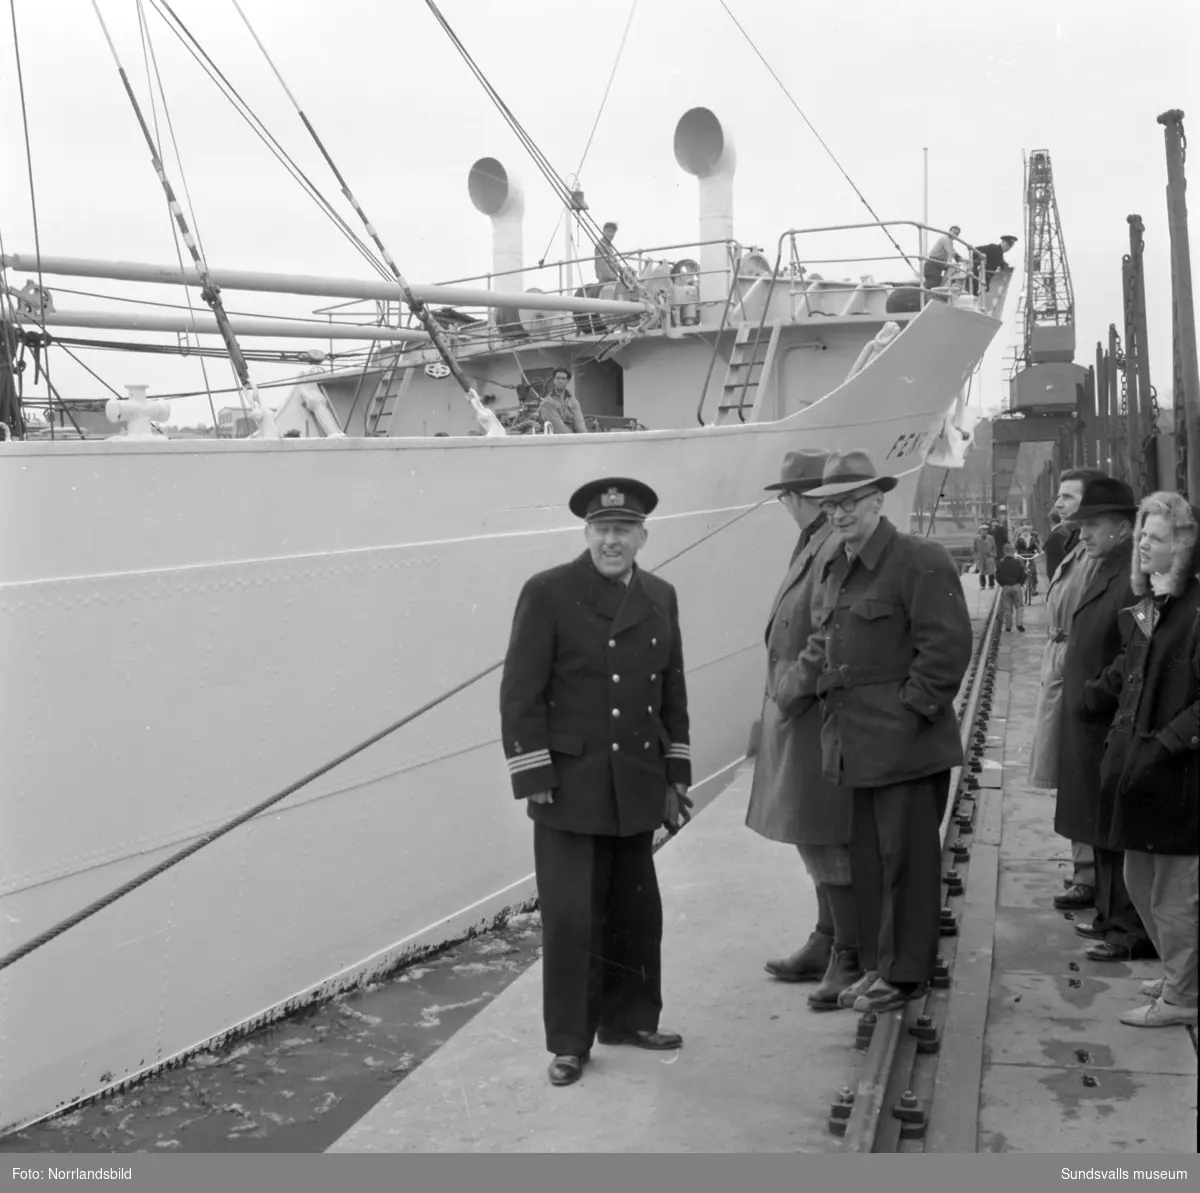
(816, 134)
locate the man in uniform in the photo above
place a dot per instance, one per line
(594, 721)
(887, 659)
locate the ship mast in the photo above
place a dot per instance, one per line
(210, 293)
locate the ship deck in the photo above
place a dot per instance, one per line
(1033, 1057)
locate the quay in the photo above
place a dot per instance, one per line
(1032, 1055)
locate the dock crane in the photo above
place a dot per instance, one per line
(1043, 383)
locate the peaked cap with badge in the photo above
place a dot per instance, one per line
(614, 498)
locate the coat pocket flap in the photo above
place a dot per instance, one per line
(567, 743)
(872, 609)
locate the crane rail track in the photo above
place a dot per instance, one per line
(885, 1112)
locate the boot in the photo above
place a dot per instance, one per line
(844, 970)
(807, 964)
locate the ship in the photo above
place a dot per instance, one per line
(165, 670)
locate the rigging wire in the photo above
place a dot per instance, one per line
(816, 134)
(595, 124)
(149, 56)
(227, 89)
(37, 243)
(586, 222)
(428, 320)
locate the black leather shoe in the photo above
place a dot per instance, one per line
(1090, 932)
(566, 1070)
(844, 970)
(1075, 898)
(657, 1041)
(807, 964)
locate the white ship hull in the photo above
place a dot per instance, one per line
(187, 628)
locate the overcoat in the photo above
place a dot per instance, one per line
(1043, 754)
(1094, 642)
(984, 547)
(895, 637)
(790, 799)
(593, 703)
(1150, 774)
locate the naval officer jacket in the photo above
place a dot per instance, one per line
(593, 705)
(895, 639)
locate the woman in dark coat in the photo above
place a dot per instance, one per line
(1150, 775)
(1105, 517)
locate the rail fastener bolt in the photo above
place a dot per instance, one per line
(941, 975)
(954, 883)
(960, 851)
(927, 1037)
(948, 925)
(866, 1029)
(839, 1112)
(911, 1116)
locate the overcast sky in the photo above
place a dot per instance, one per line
(976, 81)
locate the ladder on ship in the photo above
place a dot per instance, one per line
(381, 407)
(753, 349)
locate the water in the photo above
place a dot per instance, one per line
(300, 1084)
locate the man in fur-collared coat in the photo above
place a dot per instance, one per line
(1105, 517)
(594, 721)
(791, 800)
(1150, 775)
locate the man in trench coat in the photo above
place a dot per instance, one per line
(1105, 516)
(895, 642)
(791, 801)
(594, 722)
(1067, 584)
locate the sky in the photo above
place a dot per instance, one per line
(975, 83)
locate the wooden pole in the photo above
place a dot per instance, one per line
(1187, 372)
(1145, 450)
(1103, 451)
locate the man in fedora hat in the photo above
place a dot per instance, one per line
(1082, 810)
(594, 722)
(791, 801)
(891, 648)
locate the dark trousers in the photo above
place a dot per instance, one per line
(601, 936)
(1115, 912)
(895, 863)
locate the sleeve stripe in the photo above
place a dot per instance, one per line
(524, 762)
(679, 750)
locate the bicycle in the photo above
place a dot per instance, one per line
(1030, 589)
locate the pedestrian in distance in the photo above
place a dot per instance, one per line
(984, 548)
(886, 661)
(1082, 811)
(1151, 769)
(791, 800)
(594, 722)
(1067, 585)
(1010, 575)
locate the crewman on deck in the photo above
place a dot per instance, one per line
(894, 636)
(606, 260)
(791, 801)
(594, 721)
(939, 258)
(560, 409)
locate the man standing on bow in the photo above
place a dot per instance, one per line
(791, 801)
(1067, 585)
(594, 721)
(894, 637)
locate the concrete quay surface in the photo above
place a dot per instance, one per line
(757, 1069)
(1060, 1072)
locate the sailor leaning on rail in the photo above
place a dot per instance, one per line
(892, 644)
(594, 722)
(791, 801)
